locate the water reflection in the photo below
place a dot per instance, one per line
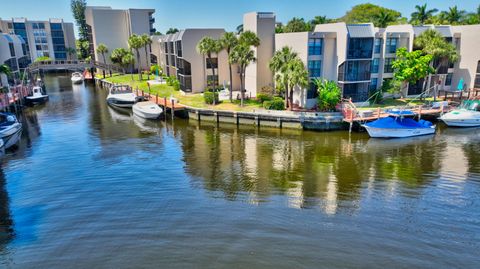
(6, 222)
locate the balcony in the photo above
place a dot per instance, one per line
(354, 71)
(152, 20)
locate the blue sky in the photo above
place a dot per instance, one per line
(216, 13)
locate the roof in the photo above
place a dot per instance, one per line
(445, 30)
(360, 30)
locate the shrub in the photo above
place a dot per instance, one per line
(276, 104)
(156, 68)
(210, 89)
(329, 94)
(262, 97)
(173, 81)
(208, 97)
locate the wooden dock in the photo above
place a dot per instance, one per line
(164, 102)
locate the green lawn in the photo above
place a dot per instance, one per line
(390, 102)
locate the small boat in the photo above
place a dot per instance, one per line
(468, 115)
(37, 97)
(147, 110)
(398, 127)
(121, 96)
(10, 129)
(77, 78)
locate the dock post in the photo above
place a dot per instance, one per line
(156, 99)
(378, 112)
(173, 108)
(419, 112)
(165, 107)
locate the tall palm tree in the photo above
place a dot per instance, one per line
(297, 77)
(453, 15)
(242, 55)
(422, 14)
(135, 43)
(117, 57)
(228, 41)
(279, 65)
(102, 49)
(208, 46)
(249, 38)
(382, 19)
(146, 41)
(4, 69)
(129, 59)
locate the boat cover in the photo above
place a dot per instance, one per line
(398, 123)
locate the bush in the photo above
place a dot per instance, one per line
(329, 94)
(276, 104)
(173, 81)
(208, 97)
(262, 97)
(210, 89)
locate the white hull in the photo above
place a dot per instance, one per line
(37, 99)
(147, 111)
(462, 118)
(77, 80)
(11, 135)
(121, 99)
(115, 103)
(398, 133)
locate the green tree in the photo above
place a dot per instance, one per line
(297, 77)
(102, 49)
(70, 51)
(297, 25)
(172, 31)
(453, 15)
(4, 69)
(279, 28)
(329, 94)
(383, 19)
(249, 38)
(146, 41)
(135, 43)
(422, 14)
(156, 70)
(473, 17)
(279, 66)
(83, 47)
(410, 67)
(364, 13)
(208, 46)
(43, 59)
(242, 55)
(78, 11)
(239, 29)
(117, 57)
(228, 41)
(129, 59)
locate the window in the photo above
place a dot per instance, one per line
(315, 69)
(375, 64)
(391, 45)
(24, 49)
(387, 67)
(355, 71)
(478, 67)
(360, 48)
(170, 47)
(55, 26)
(378, 45)
(373, 84)
(166, 59)
(178, 46)
(448, 79)
(213, 62)
(12, 49)
(315, 46)
(166, 47)
(60, 55)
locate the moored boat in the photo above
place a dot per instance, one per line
(10, 129)
(37, 96)
(121, 96)
(398, 127)
(77, 77)
(468, 115)
(147, 110)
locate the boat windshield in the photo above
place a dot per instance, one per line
(120, 90)
(473, 105)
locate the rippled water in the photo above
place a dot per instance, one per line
(93, 187)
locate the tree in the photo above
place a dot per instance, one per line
(242, 55)
(102, 49)
(473, 18)
(208, 46)
(249, 38)
(297, 77)
(319, 20)
(297, 25)
(239, 29)
(422, 14)
(117, 57)
(329, 94)
(172, 31)
(158, 33)
(129, 59)
(228, 41)
(410, 67)
(279, 66)
(453, 15)
(83, 47)
(383, 19)
(78, 10)
(146, 41)
(43, 59)
(70, 51)
(365, 13)
(4, 69)
(279, 28)
(135, 43)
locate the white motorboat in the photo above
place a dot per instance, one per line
(10, 129)
(398, 127)
(121, 96)
(468, 115)
(147, 110)
(37, 96)
(77, 77)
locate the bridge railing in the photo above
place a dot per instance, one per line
(73, 64)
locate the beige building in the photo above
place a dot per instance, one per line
(113, 27)
(13, 53)
(43, 38)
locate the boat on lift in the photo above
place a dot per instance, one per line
(399, 124)
(121, 96)
(37, 97)
(468, 115)
(77, 77)
(10, 129)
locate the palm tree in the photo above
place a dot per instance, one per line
(242, 55)
(172, 31)
(117, 57)
(279, 65)
(146, 41)
(4, 69)
(208, 46)
(135, 43)
(421, 15)
(70, 51)
(129, 59)
(228, 41)
(297, 76)
(453, 15)
(239, 29)
(102, 49)
(383, 19)
(249, 38)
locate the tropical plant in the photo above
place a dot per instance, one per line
(279, 28)
(242, 55)
(297, 25)
(43, 59)
(364, 13)
(208, 46)
(135, 43)
(4, 69)
(228, 41)
(70, 51)
(279, 66)
(117, 57)
(410, 67)
(156, 70)
(432, 42)
(102, 49)
(83, 47)
(275, 104)
(453, 15)
(249, 38)
(78, 10)
(146, 41)
(173, 81)
(329, 94)
(172, 31)
(129, 59)
(297, 77)
(210, 98)
(239, 29)
(383, 19)
(422, 14)
(262, 97)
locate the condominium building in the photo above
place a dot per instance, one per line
(13, 53)
(178, 56)
(113, 27)
(43, 38)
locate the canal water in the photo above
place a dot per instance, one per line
(93, 187)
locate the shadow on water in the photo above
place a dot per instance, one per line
(6, 222)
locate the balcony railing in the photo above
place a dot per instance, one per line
(351, 77)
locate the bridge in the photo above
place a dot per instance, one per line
(74, 65)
